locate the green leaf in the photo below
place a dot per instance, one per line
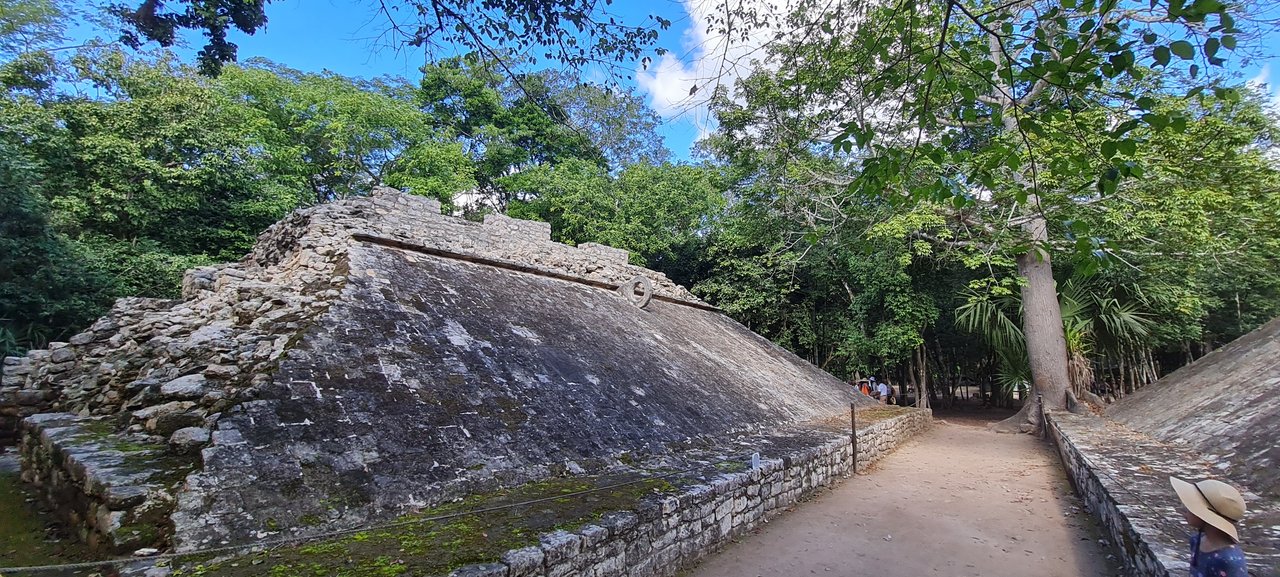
(1229, 42)
(1210, 47)
(1108, 149)
(1161, 55)
(1183, 49)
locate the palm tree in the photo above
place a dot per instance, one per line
(1096, 324)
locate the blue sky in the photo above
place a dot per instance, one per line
(344, 37)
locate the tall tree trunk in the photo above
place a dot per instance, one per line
(922, 381)
(1041, 316)
(1042, 327)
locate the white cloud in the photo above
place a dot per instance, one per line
(708, 59)
(1264, 83)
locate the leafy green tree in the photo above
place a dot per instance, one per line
(659, 213)
(617, 121)
(336, 136)
(45, 289)
(29, 25)
(510, 125)
(161, 22)
(165, 157)
(29, 29)
(943, 104)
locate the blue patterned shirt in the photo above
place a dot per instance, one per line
(1225, 562)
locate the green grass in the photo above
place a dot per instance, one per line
(23, 537)
(436, 547)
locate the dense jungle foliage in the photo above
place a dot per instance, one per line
(120, 169)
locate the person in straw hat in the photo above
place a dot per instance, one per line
(1213, 508)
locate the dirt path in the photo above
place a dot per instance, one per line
(960, 500)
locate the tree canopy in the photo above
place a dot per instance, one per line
(1071, 195)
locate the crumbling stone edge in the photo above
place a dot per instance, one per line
(663, 536)
(1144, 555)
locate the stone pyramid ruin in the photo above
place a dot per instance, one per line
(1225, 405)
(371, 356)
(1217, 418)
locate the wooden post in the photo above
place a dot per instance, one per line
(1044, 426)
(853, 434)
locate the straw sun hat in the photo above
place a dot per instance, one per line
(1214, 502)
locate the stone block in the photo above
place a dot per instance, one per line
(189, 439)
(186, 388)
(169, 423)
(63, 354)
(120, 498)
(619, 524)
(481, 570)
(611, 566)
(592, 536)
(559, 546)
(526, 562)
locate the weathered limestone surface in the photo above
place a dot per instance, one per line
(661, 537)
(235, 320)
(373, 356)
(1216, 418)
(114, 492)
(1225, 406)
(432, 378)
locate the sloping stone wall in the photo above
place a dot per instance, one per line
(433, 378)
(373, 356)
(1225, 406)
(662, 537)
(1219, 418)
(235, 320)
(1122, 476)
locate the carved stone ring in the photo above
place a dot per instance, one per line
(638, 298)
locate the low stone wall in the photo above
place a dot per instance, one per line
(1122, 476)
(661, 537)
(115, 493)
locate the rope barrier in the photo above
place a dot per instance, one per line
(270, 544)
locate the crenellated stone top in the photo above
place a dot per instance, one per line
(416, 221)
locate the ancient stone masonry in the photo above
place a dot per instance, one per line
(1225, 406)
(1216, 418)
(371, 356)
(1123, 478)
(112, 492)
(661, 537)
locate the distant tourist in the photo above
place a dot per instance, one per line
(883, 391)
(1213, 508)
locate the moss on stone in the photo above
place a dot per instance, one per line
(731, 466)
(421, 546)
(877, 414)
(25, 538)
(139, 535)
(311, 520)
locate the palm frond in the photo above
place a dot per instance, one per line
(989, 317)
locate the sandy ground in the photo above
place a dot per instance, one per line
(959, 500)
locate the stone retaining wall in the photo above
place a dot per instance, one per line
(114, 492)
(1122, 477)
(661, 537)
